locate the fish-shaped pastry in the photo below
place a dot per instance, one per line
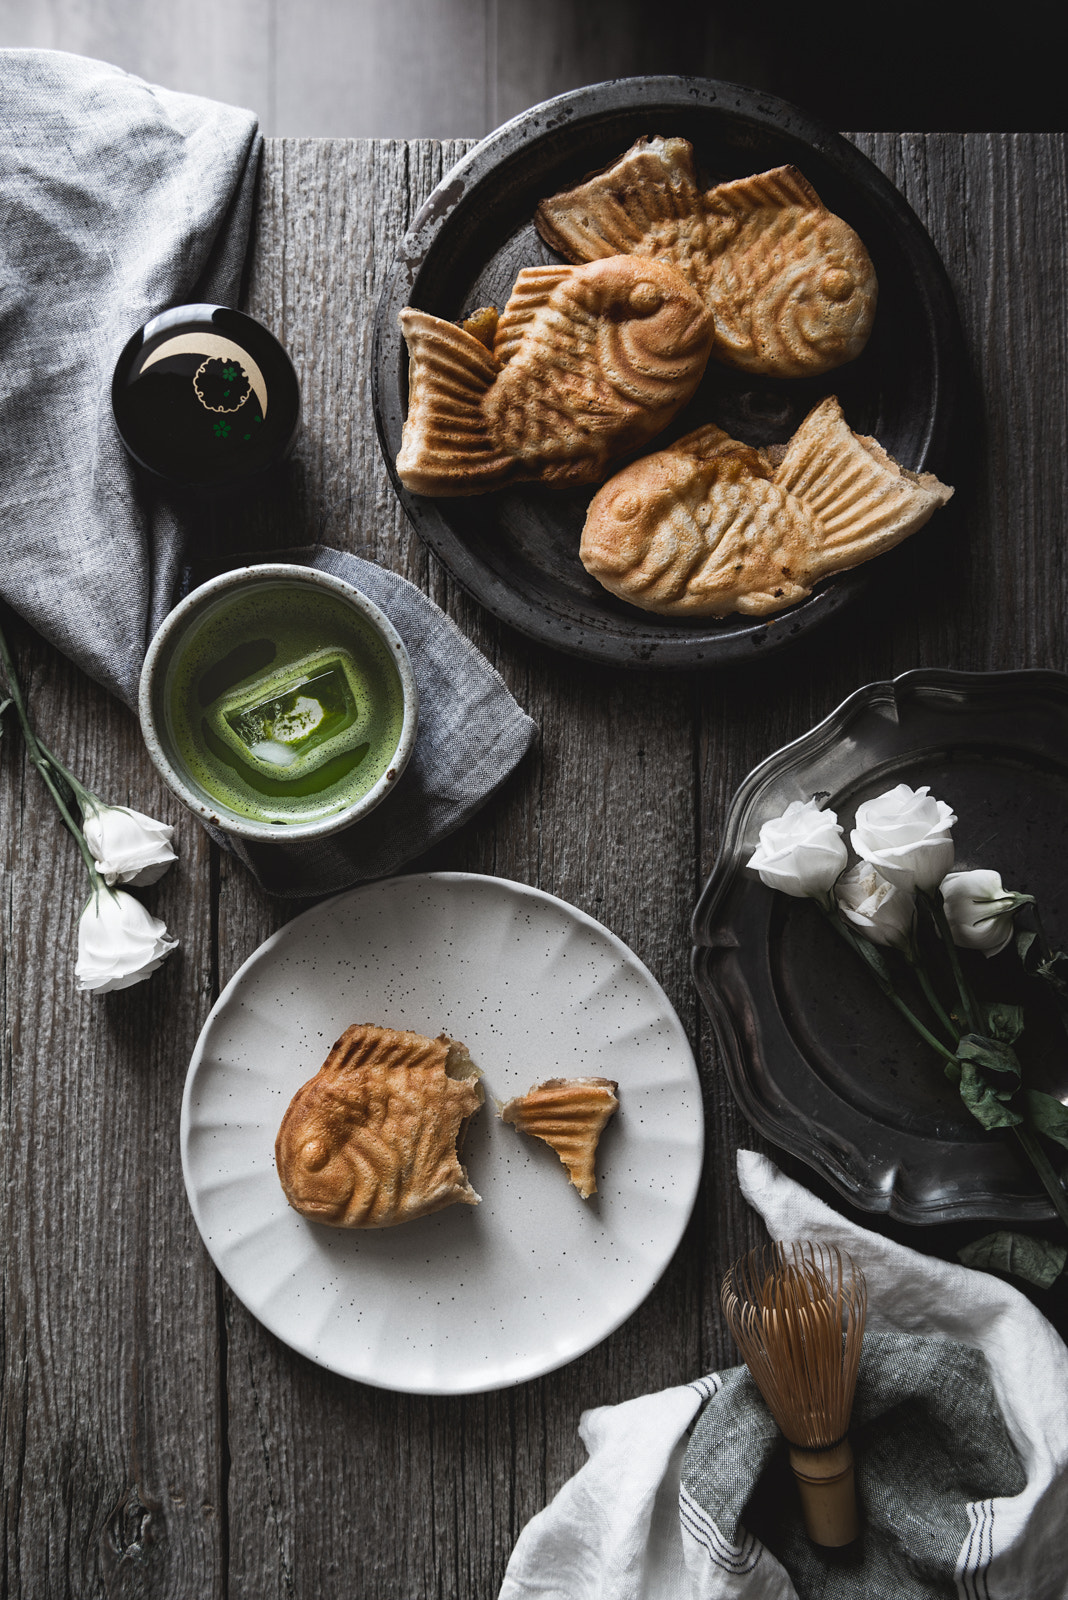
(790, 285)
(584, 365)
(570, 1115)
(371, 1140)
(710, 526)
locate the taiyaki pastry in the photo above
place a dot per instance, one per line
(583, 365)
(372, 1139)
(710, 526)
(790, 286)
(570, 1115)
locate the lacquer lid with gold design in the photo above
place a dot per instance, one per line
(206, 396)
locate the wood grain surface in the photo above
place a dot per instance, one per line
(157, 1441)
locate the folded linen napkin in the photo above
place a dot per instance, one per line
(664, 1508)
(120, 199)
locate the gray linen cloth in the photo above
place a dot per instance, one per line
(118, 199)
(928, 1439)
(959, 1432)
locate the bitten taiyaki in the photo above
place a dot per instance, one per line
(790, 285)
(709, 526)
(371, 1140)
(586, 364)
(570, 1115)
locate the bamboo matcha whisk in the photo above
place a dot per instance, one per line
(797, 1314)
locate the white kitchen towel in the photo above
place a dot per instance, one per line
(626, 1528)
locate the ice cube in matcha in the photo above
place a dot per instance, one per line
(286, 722)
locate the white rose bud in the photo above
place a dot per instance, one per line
(979, 910)
(874, 907)
(119, 942)
(907, 835)
(801, 852)
(127, 846)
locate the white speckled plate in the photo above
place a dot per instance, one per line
(474, 1297)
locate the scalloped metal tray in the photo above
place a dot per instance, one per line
(818, 1061)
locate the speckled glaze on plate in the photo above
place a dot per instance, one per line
(474, 1297)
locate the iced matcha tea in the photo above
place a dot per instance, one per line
(283, 704)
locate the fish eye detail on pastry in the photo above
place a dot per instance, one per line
(645, 298)
(372, 1140)
(586, 364)
(710, 526)
(757, 249)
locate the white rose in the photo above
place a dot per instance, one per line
(875, 907)
(906, 834)
(127, 846)
(979, 910)
(801, 852)
(119, 942)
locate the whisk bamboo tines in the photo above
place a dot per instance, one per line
(797, 1314)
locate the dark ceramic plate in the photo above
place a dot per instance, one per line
(818, 1060)
(516, 551)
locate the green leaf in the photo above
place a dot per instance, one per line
(1004, 1022)
(1036, 1261)
(1024, 941)
(1048, 1115)
(3, 707)
(1048, 969)
(986, 1103)
(989, 1055)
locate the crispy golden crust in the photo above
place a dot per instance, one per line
(371, 1140)
(569, 1114)
(586, 364)
(791, 288)
(710, 526)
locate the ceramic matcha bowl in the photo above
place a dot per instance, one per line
(279, 703)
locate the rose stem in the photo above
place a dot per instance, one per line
(886, 986)
(928, 988)
(40, 760)
(1044, 1168)
(934, 904)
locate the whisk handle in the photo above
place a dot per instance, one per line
(828, 1496)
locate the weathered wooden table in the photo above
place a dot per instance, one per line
(157, 1441)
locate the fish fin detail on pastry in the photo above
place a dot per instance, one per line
(530, 294)
(569, 1115)
(710, 525)
(631, 208)
(790, 285)
(446, 447)
(864, 501)
(775, 189)
(596, 360)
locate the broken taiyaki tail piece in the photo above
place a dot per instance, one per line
(570, 1115)
(790, 286)
(584, 365)
(710, 525)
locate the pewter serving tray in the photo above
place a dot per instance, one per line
(818, 1060)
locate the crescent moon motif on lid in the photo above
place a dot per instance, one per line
(211, 345)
